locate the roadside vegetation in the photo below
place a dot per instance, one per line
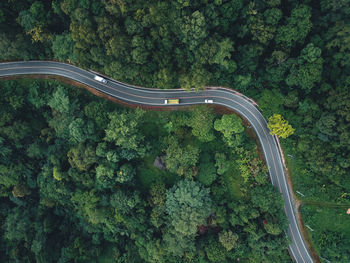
(292, 57)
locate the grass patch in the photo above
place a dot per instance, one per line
(148, 174)
(315, 188)
(324, 209)
(331, 233)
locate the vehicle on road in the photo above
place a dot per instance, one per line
(172, 101)
(100, 79)
(208, 101)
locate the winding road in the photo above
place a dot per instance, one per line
(156, 97)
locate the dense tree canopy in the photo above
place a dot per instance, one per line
(292, 57)
(81, 186)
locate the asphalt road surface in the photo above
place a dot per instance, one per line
(156, 97)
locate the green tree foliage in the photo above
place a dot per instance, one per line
(62, 171)
(60, 101)
(181, 159)
(76, 130)
(207, 173)
(279, 126)
(307, 71)
(267, 199)
(16, 47)
(201, 123)
(105, 175)
(188, 205)
(157, 200)
(296, 28)
(123, 130)
(293, 58)
(126, 173)
(231, 127)
(272, 228)
(193, 29)
(215, 251)
(228, 239)
(63, 47)
(221, 163)
(271, 101)
(82, 157)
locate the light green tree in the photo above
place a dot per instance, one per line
(279, 126)
(231, 127)
(272, 228)
(228, 239)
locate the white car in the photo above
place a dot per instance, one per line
(100, 79)
(208, 101)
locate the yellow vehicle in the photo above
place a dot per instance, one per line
(172, 101)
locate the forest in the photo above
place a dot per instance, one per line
(78, 183)
(291, 56)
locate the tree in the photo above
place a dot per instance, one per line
(231, 127)
(196, 79)
(297, 27)
(201, 121)
(188, 205)
(308, 69)
(180, 158)
(273, 16)
(77, 130)
(260, 30)
(178, 245)
(5, 151)
(271, 101)
(82, 157)
(63, 47)
(157, 200)
(215, 251)
(207, 173)
(97, 110)
(105, 175)
(123, 130)
(279, 126)
(221, 163)
(228, 239)
(126, 173)
(267, 198)
(272, 228)
(60, 100)
(17, 225)
(213, 52)
(85, 201)
(337, 40)
(20, 190)
(193, 29)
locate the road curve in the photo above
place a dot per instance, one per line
(156, 97)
